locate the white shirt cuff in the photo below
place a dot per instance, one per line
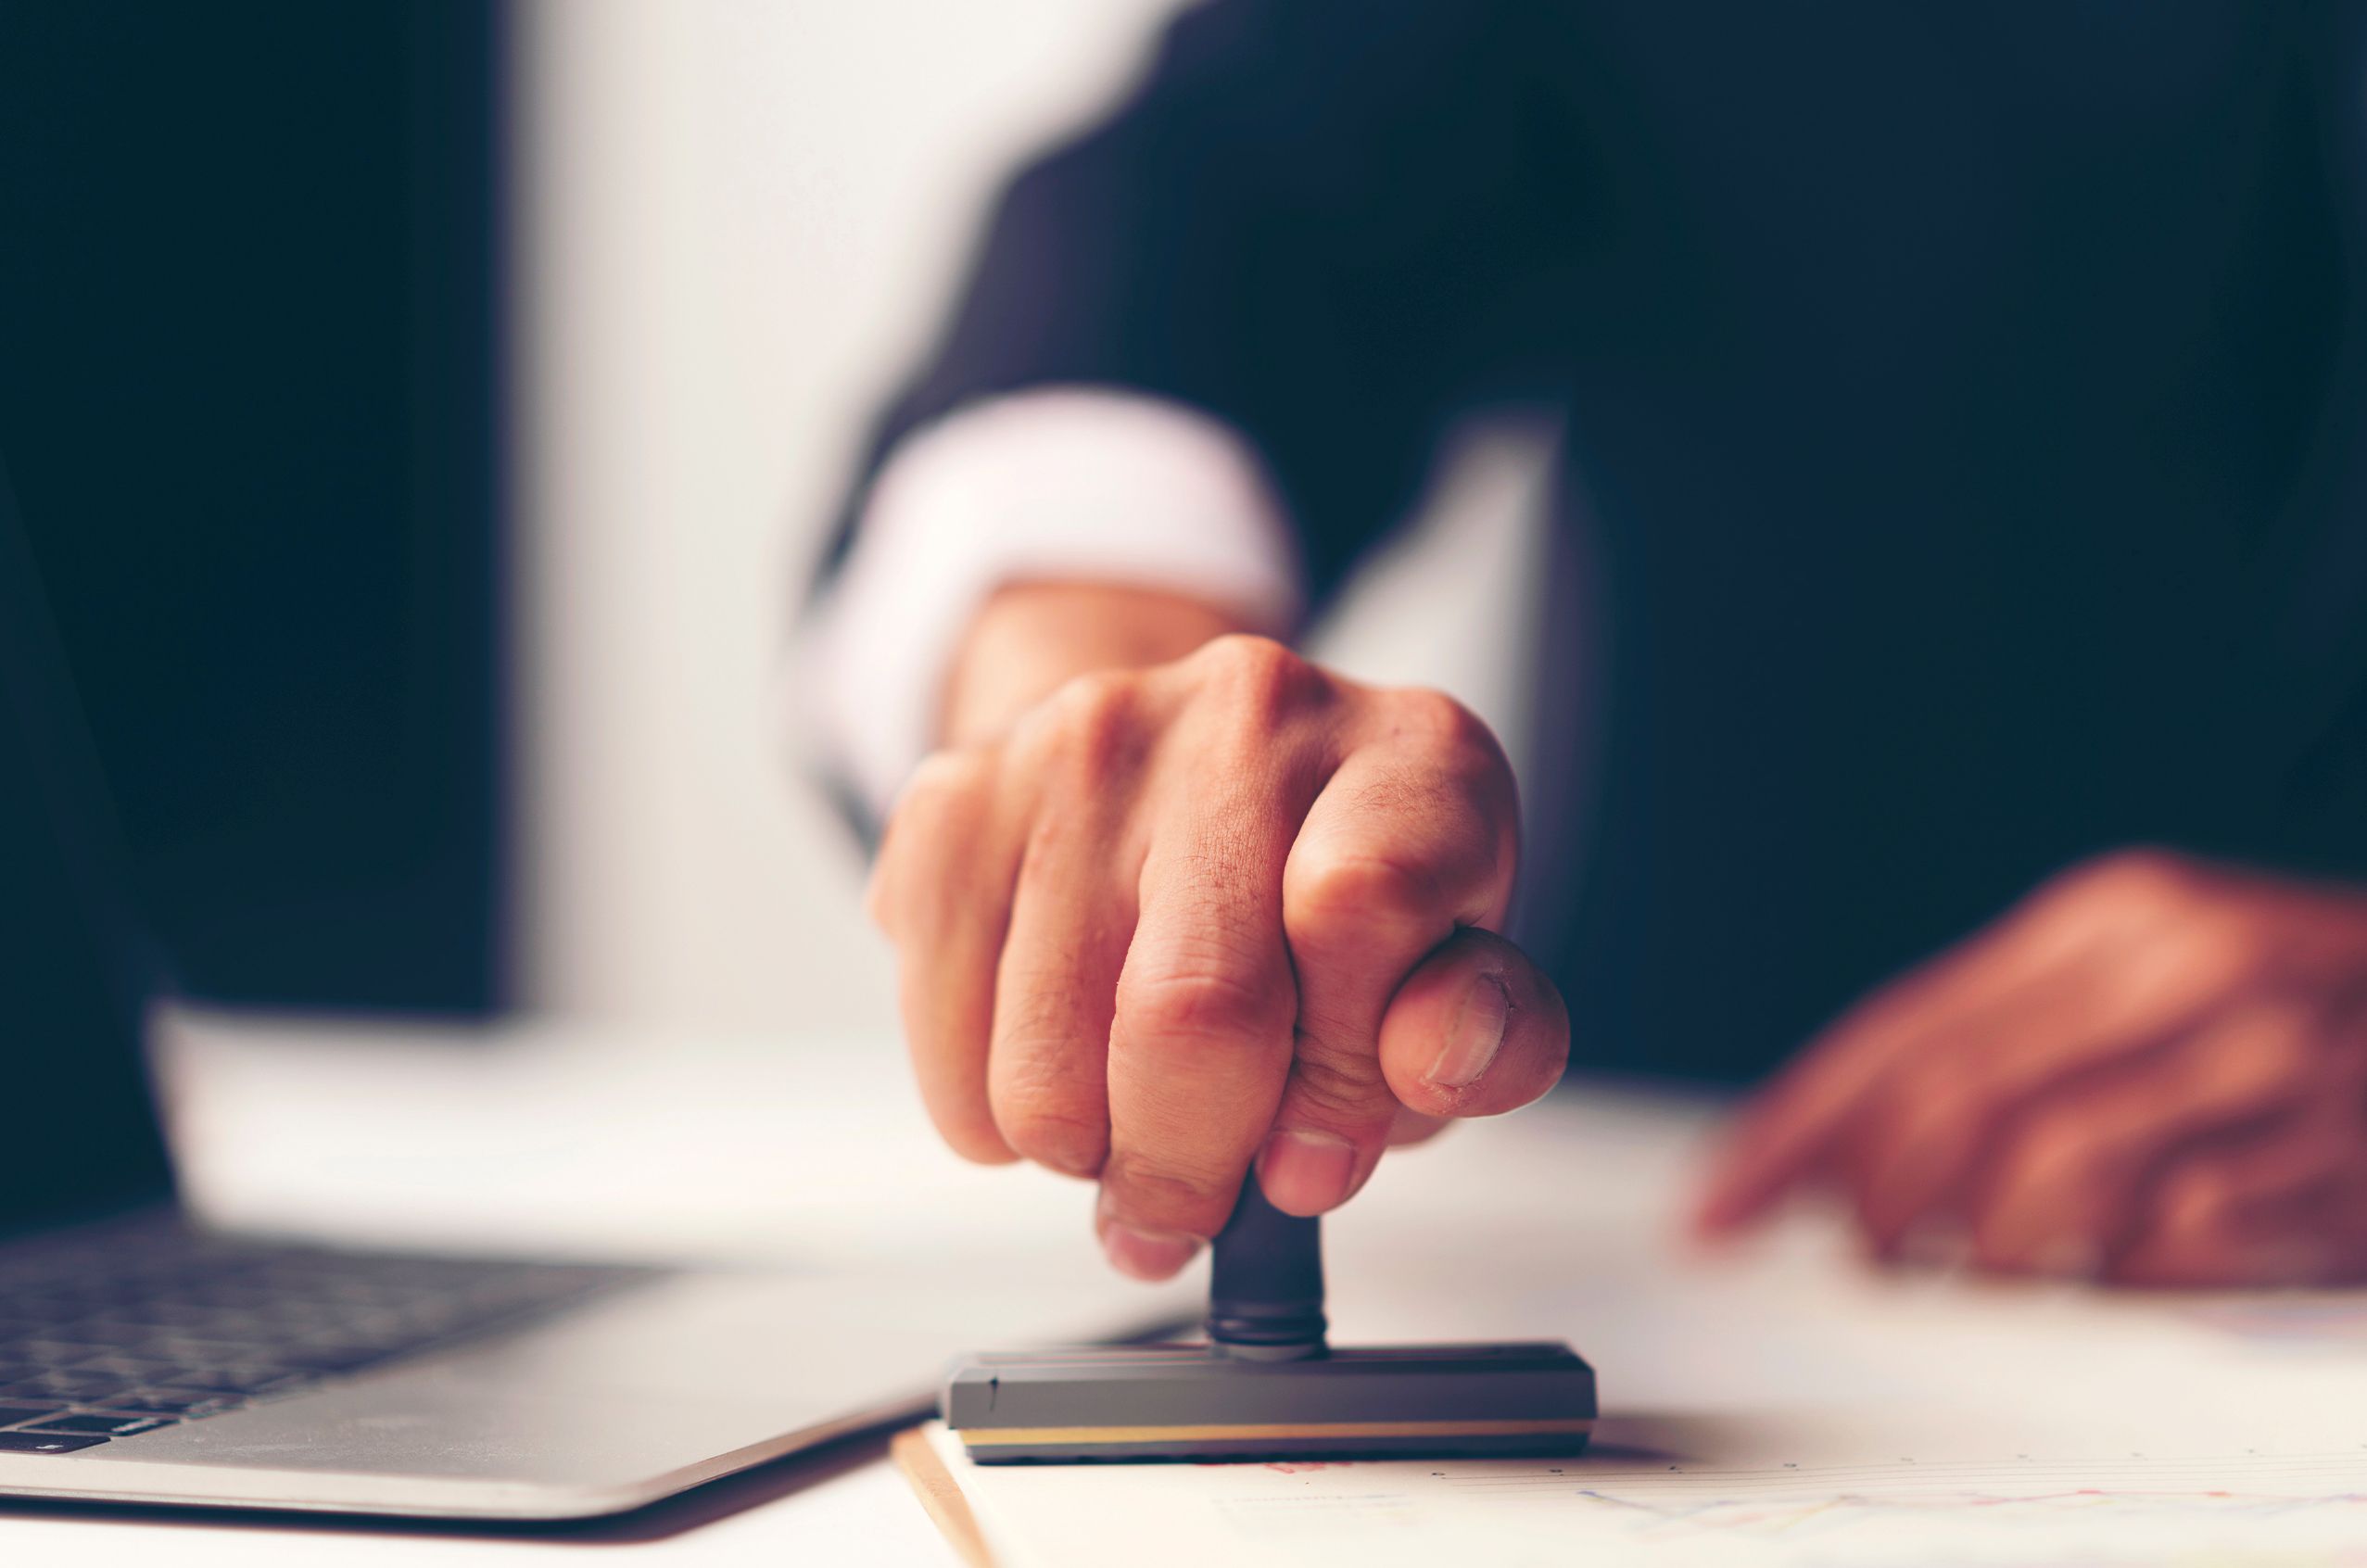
(1080, 483)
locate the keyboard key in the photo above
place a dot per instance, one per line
(172, 1401)
(44, 1443)
(117, 1425)
(11, 1414)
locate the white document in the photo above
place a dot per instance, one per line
(1985, 1507)
(1786, 1407)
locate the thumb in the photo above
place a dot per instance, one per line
(1476, 1030)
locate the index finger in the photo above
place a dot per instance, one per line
(1787, 1133)
(1406, 845)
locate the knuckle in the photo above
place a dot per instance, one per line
(2142, 877)
(1198, 1003)
(939, 784)
(1364, 886)
(2237, 943)
(1454, 765)
(1258, 677)
(1046, 832)
(1456, 748)
(2193, 960)
(944, 791)
(1092, 725)
(1431, 719)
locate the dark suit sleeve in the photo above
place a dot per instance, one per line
(1309, 219)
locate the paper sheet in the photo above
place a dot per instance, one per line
(1789, 1407)
(2200, 1506)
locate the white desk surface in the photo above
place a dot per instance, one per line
(606, 1143)
(1552, 1224)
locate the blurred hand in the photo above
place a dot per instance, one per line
(1231, 906)
(2153, 1071)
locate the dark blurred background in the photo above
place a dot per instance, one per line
(250, 373)
(427, 410)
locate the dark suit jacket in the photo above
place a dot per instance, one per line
(1966, 399)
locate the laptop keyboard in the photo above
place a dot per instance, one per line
(142, 1328)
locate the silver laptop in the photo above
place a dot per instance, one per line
(144, 1360)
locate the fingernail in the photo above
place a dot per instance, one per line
(1145, 1255)
(1478, 1031)
(1306, 1172)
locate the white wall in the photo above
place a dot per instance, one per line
(742, 220)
